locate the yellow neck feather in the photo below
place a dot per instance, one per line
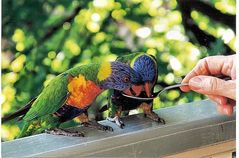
(104, 71)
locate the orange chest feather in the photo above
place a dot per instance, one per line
(82, 92)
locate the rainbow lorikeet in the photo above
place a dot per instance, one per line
(71, 93)
(146, 66)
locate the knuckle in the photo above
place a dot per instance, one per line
(201, 61)
(212, 84)
(201, 69)
(227, 68)
(207, 59)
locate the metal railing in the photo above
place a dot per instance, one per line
(188, 126)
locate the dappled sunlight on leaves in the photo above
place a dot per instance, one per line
(226, 6)
(18, 36)
(17, 64)
(72, 47)
(9, 132)
(43, 39)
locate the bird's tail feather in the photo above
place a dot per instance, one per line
(20, 112)
(24, 132)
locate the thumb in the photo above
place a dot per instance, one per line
(213, 86)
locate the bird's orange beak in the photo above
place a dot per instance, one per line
(134, 90)
(147, 88)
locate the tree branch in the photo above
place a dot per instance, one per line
(191, 27)
(51, 31)
(88, 39)
(55, 28)
(227, 19)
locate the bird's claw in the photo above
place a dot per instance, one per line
(107, 128)
(153, 116)
(58, 131)
(161, 120)
(117, 121)
(98, 126)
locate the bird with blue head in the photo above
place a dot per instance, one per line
(146, 66)
(71, 93)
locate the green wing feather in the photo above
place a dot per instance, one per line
(128, 58)
(51, 98)
(55, 94)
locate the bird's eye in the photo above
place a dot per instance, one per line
(126, 79)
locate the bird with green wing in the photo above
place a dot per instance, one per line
(71, 93)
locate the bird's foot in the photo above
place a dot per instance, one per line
(117, 121)
(153, 116)
(63, 132)
(98, 126)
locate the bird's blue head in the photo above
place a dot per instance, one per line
(147, 67)
(120, 76)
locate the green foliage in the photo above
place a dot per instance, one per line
(44, 38)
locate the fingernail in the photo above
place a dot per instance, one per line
(195, 83)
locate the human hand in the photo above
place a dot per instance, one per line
(200, 80)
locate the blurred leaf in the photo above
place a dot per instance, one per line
(39, 42)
